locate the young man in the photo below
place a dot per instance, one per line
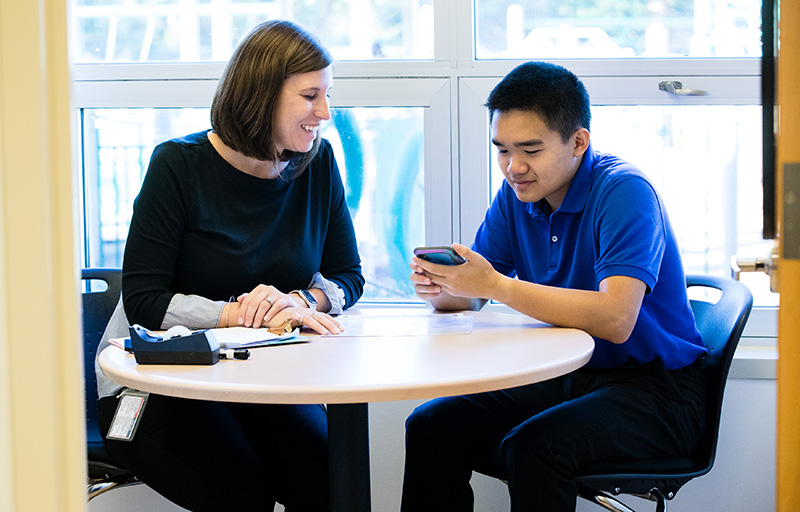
(574, 238)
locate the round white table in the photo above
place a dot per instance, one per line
(345, 372)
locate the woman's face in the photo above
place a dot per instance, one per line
(302, 107)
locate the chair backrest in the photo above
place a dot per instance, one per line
(98, 307)
(721, 325)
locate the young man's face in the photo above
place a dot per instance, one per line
(534, 160)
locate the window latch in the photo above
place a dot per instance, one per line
(676, 89)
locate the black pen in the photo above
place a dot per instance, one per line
(229, 353)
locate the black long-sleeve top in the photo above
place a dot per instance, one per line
(202, 227)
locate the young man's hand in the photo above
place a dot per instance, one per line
(474, 279)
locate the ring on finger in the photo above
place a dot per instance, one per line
(313, 315)
(268, 300)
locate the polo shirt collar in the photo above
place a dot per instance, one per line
(578, 191)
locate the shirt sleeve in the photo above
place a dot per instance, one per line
(631, 231)
(154, 238)
(193, 311)
(332, 291)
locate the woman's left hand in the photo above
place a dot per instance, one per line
(259, 306)
(304, 317)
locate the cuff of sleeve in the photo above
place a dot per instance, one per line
(331, 290)
(193, 311)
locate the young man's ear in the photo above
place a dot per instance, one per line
(581, 138)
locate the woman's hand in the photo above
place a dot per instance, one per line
(304, 317)
(259, 306)
(266, 306)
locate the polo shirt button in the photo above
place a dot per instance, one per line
(554, 239)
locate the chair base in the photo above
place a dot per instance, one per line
(97, 487)
(608, 502)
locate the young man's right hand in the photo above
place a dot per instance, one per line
(451, 287)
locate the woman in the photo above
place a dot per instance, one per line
(242, 225)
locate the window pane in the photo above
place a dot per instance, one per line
(380, 155)
(117, 144)
(707, 168)
(618, 28)
(208, 30)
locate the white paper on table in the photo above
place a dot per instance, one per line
(405, 325)
(247, 337)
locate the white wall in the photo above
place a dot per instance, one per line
(42, 439)
(743, 478)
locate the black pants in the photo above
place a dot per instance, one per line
(536, 437)
(213, 456)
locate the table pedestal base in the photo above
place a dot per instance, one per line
(348, 449)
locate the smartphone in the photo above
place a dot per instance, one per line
(442, 255)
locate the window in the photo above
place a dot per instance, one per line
(117, 144)
(410, 131)
(380, 154)
(624, 28)
(208, 30)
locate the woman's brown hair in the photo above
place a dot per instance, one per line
(243, 108)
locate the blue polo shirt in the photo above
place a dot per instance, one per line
(612, 222)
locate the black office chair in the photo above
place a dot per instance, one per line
(104, 473)
(721, 325)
